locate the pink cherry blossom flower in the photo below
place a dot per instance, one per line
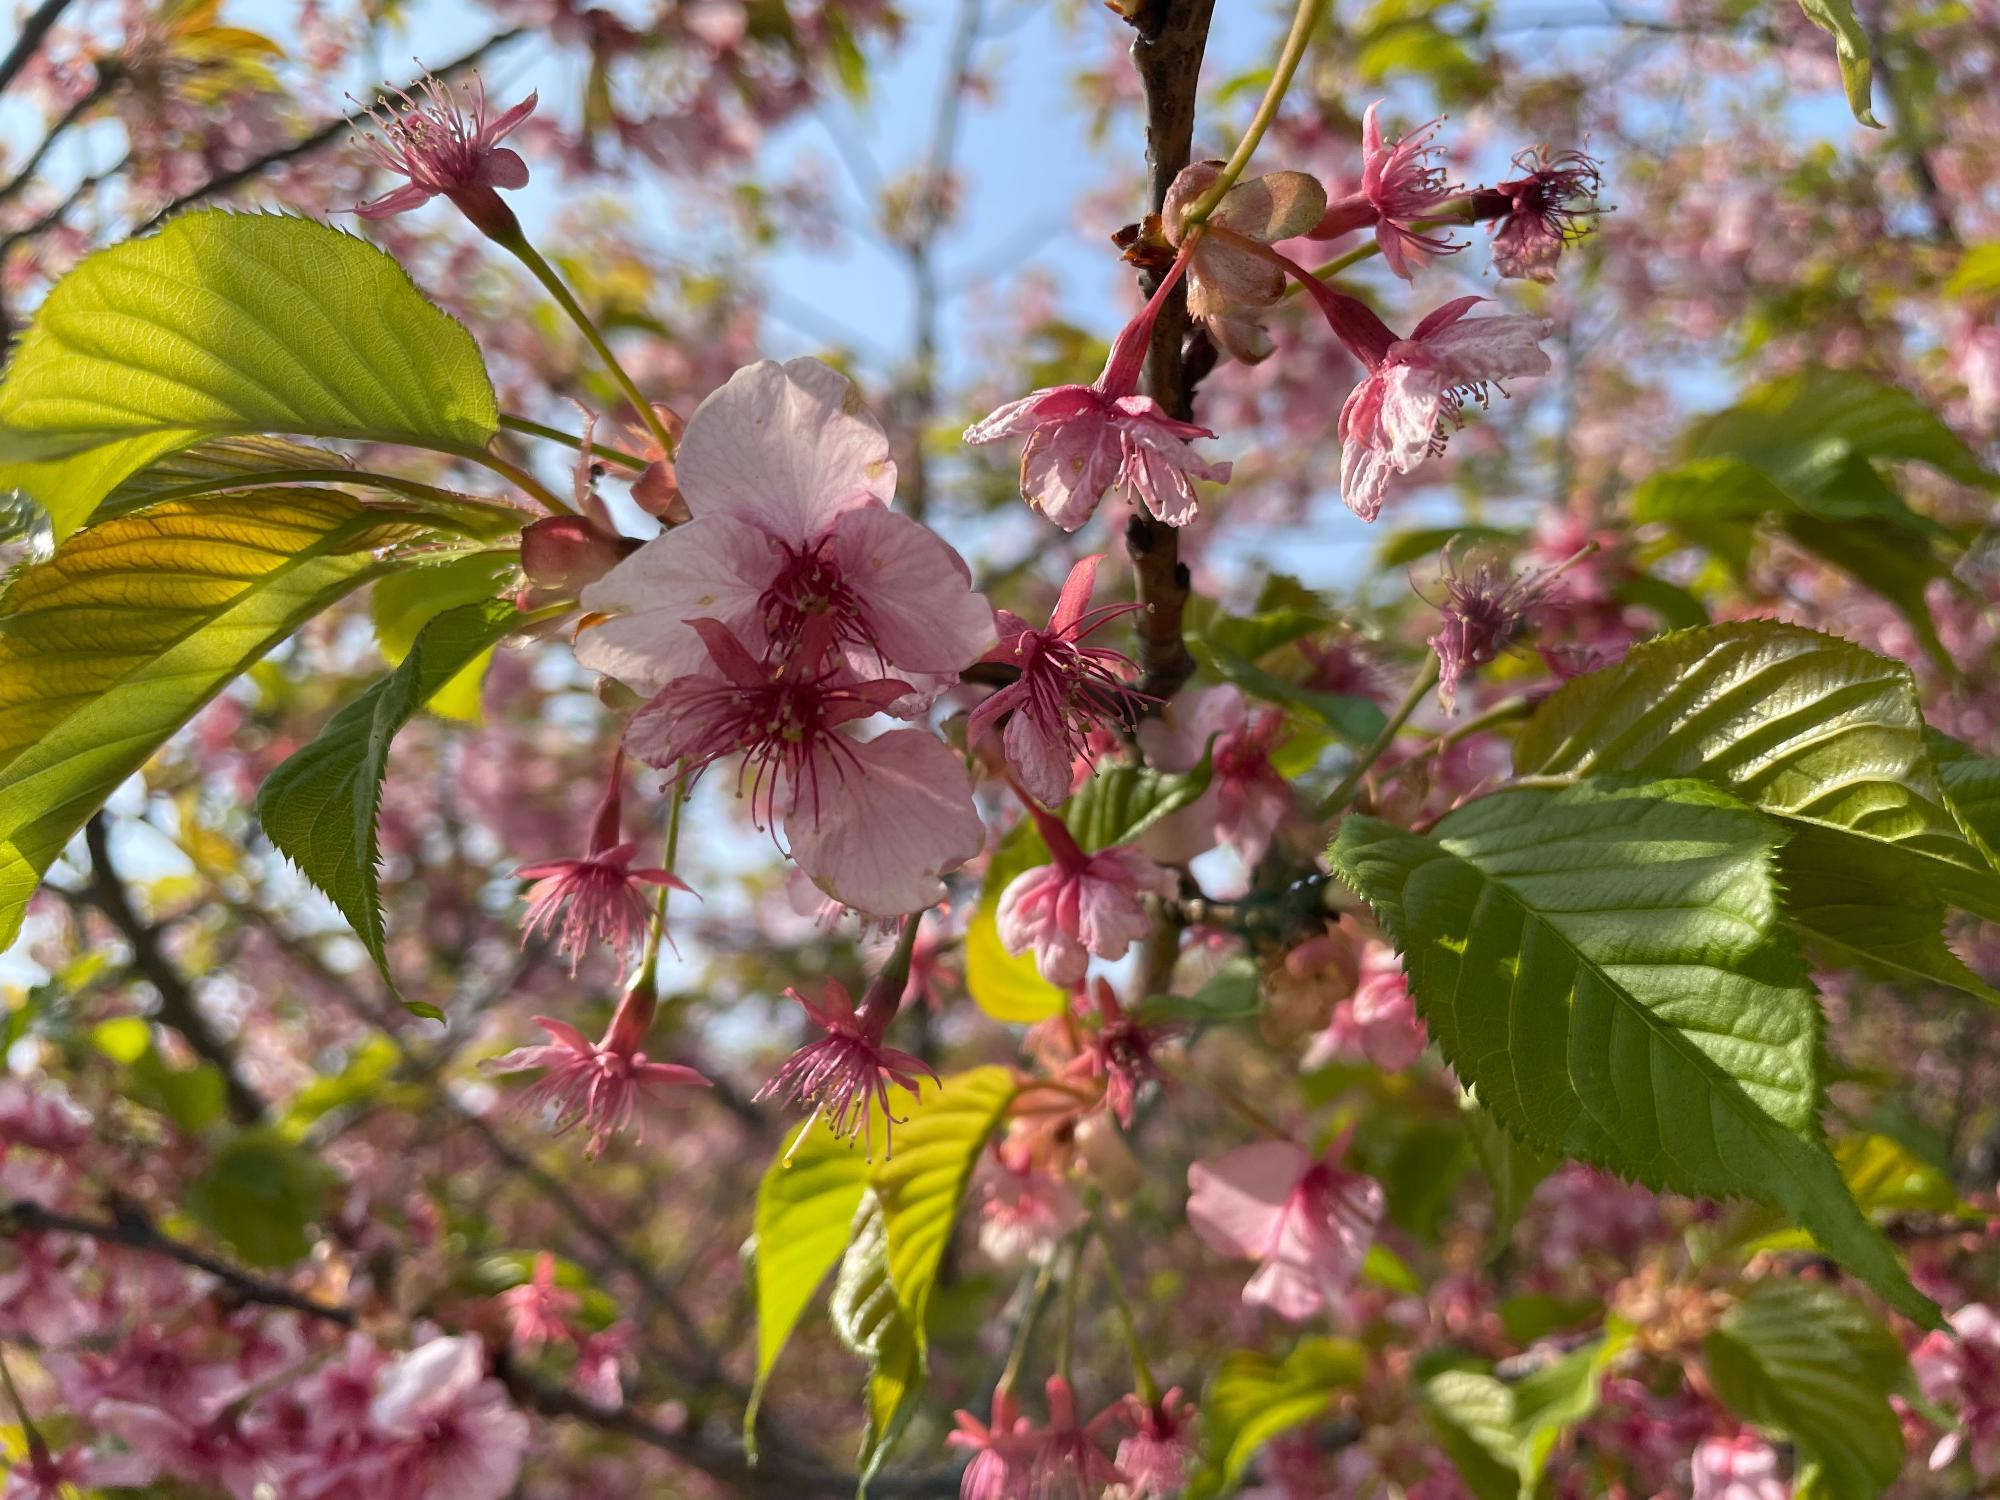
(601, 1362)
(1078, 904)
(40, 1114)
(1486, 609)
(442, 150)
(1397, 417)
(1230, 283)
(211, 1454)
(63, 1476)
(1070, 1463)
(846, 1074)
(1120, 1051)
(1065, 690)
(1003, 1452)
(1400, 186)
(599, 1085)
(1744, 1467)
(598, 897)
(1083, 439)
(538, 1308)
(789, 481)
(1158, 1457)
(1540, 211)
(1308, 1223)
(876, 823)
(1247, 797)
(40, 1300)
(1026, 1210)
(1383, 1014)
(456, 1435)
(1960, 1371)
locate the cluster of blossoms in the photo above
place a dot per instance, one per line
(1085, 439)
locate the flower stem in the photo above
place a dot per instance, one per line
(1341, 795)
(513, 473)
(547, 275)
(1024, 1333)
(1304, 19)
(656, 930)
(528, 428)
(1228, 1098)
(1506, 711)
(1147, 1388)
(1072, 1291)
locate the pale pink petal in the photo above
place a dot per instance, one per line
(1236, 1202)
(715, 567)
(504, 169)
(893, 827)
(915, 592)
(787, 446)
(1411, 399)
(1483, 349)
(1055, 403)
(396, 201)
(1039, 757)
(1066, 468)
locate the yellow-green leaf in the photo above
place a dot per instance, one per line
(1006, 987)
(225, 324)
(112, 644)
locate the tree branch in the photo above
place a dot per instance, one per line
(178, 1007)
(29, 41)
(224, 182)
(1167, 54)
(106, 80)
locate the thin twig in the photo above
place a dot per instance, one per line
(29, 41)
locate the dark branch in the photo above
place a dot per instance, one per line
(178, 1007)
(107, 79)
(29, 41)
(1167, 54)
(332, 130)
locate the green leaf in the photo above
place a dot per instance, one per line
(1815, 1365)
(806, 1205)
(261, 1194)
(1401, 548)
(1676, 607)
(1122, 800)
(115, 642)
(1971, 785)
(1513, 1170)
(1353, 719)
(318, 808)
(403, 603)
(870, 1322)
(225, 324)
(1884, 1176)
(1809, 729)
(1253, 1398)
(1850, 47)
(1658, 1019)
(1556, 1397)
(1473, 1415)
(1232, 992)
(1008, 987)
(922, 1184)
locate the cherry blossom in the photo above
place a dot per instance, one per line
(443, 150)
(1083, 439)
(596, 1085)
(1744, 1467)
(1026, 1209)
(1400, 188)
(455, 1434)
(1078, 904)
(1065, 689)
(1485, 610)
(1229, 282)
(1159, 1454)
(1070, 1462)
(1397, 417)
(1960, 1371)
(1246, 800)
(538, 1308)
(1003, 1452)
(1308, 1223)
(1536, 214)
(845, 1076)
(789, 481)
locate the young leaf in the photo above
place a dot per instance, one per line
(1556, 1397)
(112, 644)
(225, 324)
(261, 1194)
(1253, 1398)
(1122, 801)
(1850, 47)
(319, 806)
(1472, 1413)
(1971, 789)
(806, 1205)
(1815, 1365)
(870, 1322)
(1657, 1017)
(1812, 730)
(922, 1184)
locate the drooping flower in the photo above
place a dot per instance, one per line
(789, 481)
(1065, 688)
(538, 1308)
(876, 823)
(1382, 1013)
(845, 1075)
(44, 1475)
(1070, 1463)
(456, 1435)
(1027, 1208)
(1247, 798)
(1960, 1371)
(209, 1453)
(1399, 415)
(600, 897)
(445, 151)
(1486, 609)
(1400, 187)
(1078, 904)
(1229, 283)
(1743, 1467)
(1541, 210)
(1003, 1452)
(1308, 1223)
(599, 1085)
(1083, 439)
(1159, 1455)
(1119, 1051)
